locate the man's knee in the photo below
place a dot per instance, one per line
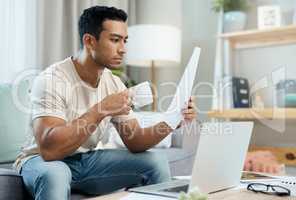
(53, 181)
(55, 175)
(47, 180)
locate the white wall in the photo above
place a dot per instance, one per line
(159, 12)
(198, 25)
(199, 29)
(167, 12)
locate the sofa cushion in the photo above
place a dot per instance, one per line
(11, 185)
(7, 165)
(14, 101)
(174, 154)
(180, 160)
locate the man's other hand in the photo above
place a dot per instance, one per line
(115, 104)
(189, 113)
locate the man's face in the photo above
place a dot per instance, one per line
(109, 49)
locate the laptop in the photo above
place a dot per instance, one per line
(218, 164)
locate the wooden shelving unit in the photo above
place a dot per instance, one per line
(255, 39)
(254, 113)
(261, 38)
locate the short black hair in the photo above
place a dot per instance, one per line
(91, 20)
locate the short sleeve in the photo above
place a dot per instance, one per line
(48, 97)
(121, 118)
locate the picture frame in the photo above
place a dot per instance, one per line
(269, 17)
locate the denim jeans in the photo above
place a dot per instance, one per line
(95, 173)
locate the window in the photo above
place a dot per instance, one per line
(17, 37)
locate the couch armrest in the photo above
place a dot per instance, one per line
(187, 136)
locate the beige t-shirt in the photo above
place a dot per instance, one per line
(60, 92)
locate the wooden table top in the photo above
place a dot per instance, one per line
(225, 195)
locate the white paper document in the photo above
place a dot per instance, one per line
(142, 95)
(138, 196)
(173, 116)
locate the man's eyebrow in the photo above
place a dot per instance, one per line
(118, 35)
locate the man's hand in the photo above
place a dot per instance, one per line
(115, 104)
(189, 112)
(263, 161)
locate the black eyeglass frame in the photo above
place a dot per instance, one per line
(273, 187)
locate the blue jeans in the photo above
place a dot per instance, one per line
(95, 173)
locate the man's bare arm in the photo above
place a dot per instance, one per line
(57, 139)
(139, 139)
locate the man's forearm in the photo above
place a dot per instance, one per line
(139, 139)
(61, 141)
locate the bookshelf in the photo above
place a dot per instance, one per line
(261, 38)
(227, 44)
(254, 113)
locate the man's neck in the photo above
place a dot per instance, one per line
(87, 69)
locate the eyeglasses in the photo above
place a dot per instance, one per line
(269, 189)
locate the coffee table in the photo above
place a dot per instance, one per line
(225, 195)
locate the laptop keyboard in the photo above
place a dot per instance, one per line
(183, 188)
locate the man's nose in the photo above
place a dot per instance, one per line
(122, 49)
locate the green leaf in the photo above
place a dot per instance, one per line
(230, 5)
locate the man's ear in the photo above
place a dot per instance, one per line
(88, 41)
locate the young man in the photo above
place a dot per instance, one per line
(73, 101)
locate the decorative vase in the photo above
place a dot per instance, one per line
(234, 21)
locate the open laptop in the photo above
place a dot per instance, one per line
(218, 164)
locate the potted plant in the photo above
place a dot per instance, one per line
(234, 18)
(125, 79)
